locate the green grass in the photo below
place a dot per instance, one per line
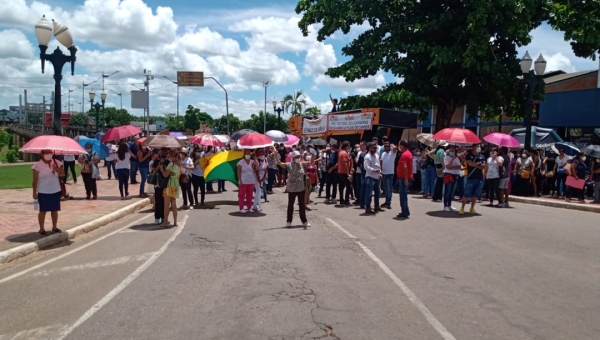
(19, 176)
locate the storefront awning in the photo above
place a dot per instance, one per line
(571, 109)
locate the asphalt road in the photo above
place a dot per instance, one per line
(528, 272)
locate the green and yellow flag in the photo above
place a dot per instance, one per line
(221, 166)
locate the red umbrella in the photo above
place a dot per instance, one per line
(58, 144)
(453, 135)
(206, 139)
(254, 141)
(120, 132)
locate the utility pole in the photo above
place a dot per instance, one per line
(265, 84)
(176, 83)
(106, 76)
(83, 85)
(120, 95)
(149, 77)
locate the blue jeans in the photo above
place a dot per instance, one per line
(404, 211)
(423, 181)
(359, 181)
(472, 188)
(372, 184)
(561, 179)
(388, 180)
(111, 166)
(430, 174)
(271, 179)
(133, 171)
(449, 189)
(144, 174)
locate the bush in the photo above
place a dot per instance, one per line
(13, 155)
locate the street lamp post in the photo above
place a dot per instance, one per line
(97, 105)
(531, 81)
(176, 83)
(83, 85)
(226, 102)
(120, 95)
(279, 110)
(265, 84)
(43, 33)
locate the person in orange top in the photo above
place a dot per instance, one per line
(405, 177)
(345, 172)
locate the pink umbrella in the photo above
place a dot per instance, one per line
(502, 139)
(120, 132)
(206, 139)
(291, 140)
(454, 135)
(254, 141)
(58, 144)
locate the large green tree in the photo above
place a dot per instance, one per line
(256, 121)
(194, 117)
(295, 103)
(312, 111)
(450, 52)
(221, 123)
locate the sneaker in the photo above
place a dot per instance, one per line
(157, 221)
(243, 211)
(447, 209)
(462, 211)
(453, 209)
(258, 209)
(288, 224)
(306, 225)
(473, 212)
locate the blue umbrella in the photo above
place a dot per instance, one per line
(570, 149)
(99, 135)
(97, 146)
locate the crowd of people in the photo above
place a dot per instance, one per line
(364, 175)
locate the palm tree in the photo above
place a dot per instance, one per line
(295, 103)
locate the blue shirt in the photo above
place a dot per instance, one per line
(134, 149)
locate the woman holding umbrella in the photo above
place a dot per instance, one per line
(47, 190)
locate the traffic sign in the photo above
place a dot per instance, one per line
(190, 78)
(91, 121)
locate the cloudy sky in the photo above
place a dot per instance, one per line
(241, 43)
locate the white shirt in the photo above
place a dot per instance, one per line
(198, 169)
(69, 158)
(186, 162)
(447, 161)
(372, 163)
(493, 168)
(562, 162)
(123, 164)
(48, 181)
(387, 162)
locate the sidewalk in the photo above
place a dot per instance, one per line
(18, 220)
(558, 203)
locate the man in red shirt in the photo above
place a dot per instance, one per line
(405, 177)
(345, 172)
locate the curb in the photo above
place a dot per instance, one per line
(32, 247)
(557, 204)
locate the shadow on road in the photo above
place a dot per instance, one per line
(449, 214)
(248, 214)
(286, 228)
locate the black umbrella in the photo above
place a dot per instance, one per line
(240, 133)
(592, 150)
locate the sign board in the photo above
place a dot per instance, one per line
(91, 121)
(314, 126)
(190, 78)
(14, 108)
(139, 100)
(350, 122)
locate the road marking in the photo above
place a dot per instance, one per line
(437, 325)
(15, 275)
(33, 334)
(65, 331)
(97, 264)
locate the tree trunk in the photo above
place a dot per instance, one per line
(443, 116)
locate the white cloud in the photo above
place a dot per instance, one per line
(14, 44)
(360, 86)
(275, 34)
(206, 42)
(319, 58)
(558, 62)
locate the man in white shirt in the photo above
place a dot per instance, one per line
(372, 166)
(388, 158)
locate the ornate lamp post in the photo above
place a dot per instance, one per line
(531, 81)
(43, 33)
(279, 110)
(97, 106)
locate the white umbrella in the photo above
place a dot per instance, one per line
(277, 136)
(223, 138)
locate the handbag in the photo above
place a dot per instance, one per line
(525, 174)
(152, 179)
(63, 188)
(162, 182)
(184, 179)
